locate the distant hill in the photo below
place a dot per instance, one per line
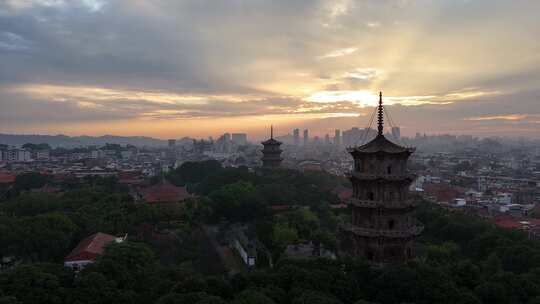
(75, 141)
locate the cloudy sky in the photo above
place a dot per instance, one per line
(170, 68)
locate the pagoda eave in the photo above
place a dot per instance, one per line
(384, 177)
(410, 232)
(410, 203)
(355, 151)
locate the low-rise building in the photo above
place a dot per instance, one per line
(7, 178)
(246, 247)
(89, 249)
(308, 250)
(163, 192)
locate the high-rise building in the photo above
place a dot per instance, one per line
(296, 136)
(356, 136)
(239, 138)
(337, 137)
(306, 137)
(383, 228)
(352, 137)
(271, 152)
(396, 133)
(327, 139)
(223, 143)
(172, 143)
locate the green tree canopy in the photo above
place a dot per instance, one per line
(249, 296)
(129, 264)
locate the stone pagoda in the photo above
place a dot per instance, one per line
(271, 152)
(383, 228)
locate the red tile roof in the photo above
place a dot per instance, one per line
(443, 192)
(338, 206)
(507, 223)
(47, 189)
(60, 177)
(90, 248)
(6, 178)
(130, 177)
(343, 193)
(514, 223)
(164, 192)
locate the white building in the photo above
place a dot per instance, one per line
(503, 199)
(17, 155)
(42, 155)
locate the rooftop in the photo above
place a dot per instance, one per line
(380, 144)
(271, 141)
(164, 192)
(6, 178)
(90, 247)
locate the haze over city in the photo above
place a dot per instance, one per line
(269, 151)
(169, 69)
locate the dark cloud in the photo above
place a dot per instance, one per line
(10, 42)
(252, 58)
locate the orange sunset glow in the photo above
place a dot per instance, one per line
(169, 69)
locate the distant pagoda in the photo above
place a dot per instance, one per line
(271, 152)
(383, 228)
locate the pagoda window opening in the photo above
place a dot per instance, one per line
(371, 195)
(389, 170)
(391, 224)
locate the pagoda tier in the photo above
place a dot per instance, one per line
(362, 176)
(398, 204)
(407, 232)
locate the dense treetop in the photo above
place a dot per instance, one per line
(461, 259)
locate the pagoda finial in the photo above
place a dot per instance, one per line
(271, 132)
(381, 115)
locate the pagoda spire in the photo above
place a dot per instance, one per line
(380, 115)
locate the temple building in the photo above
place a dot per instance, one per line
(383, 228)
(271, 152)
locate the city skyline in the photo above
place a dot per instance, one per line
(193, 68)
(270, 151)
